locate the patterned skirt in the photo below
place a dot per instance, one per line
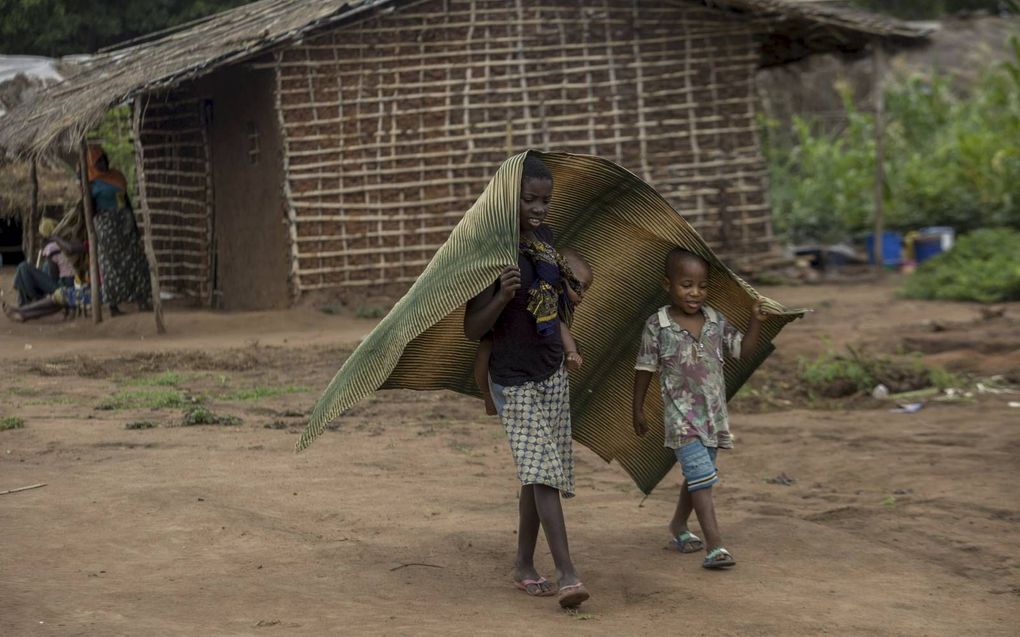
(123, 269)
(536, 417)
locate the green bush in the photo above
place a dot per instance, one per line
(199, 415)
(837, 374)
(950, 160)
(11, 422)
(982, 266)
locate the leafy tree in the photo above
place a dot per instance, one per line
(934, 9)
(950, 159)
(62, 27)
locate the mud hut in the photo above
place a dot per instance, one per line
(300, 145)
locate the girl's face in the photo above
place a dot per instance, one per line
(534, 203)
(687, 285)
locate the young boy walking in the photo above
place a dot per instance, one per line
(686, 342)
(530, 388)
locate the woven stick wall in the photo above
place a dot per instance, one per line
(392, 126)
(179, 183)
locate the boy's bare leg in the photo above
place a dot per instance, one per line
(550, 511)
(684, 506)
(705, 509)
(527, 537)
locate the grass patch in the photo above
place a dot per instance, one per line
(981, 267)
(260, 392)
(199, 415)
(51, 401)
(140, 424)
(837, 375)
(166, 379)
(148, 399)
(11, 422)
(26, 392)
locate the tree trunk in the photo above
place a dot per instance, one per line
(30, 233)
(877, 86)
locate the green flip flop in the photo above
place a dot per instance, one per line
(718, 558)
(686, 542)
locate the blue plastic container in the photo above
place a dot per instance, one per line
(892, 251)
(932, 241)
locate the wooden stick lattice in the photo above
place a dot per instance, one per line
(138, 109)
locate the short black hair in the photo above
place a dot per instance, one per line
(574, 258)
(679, 255)
(535, 168)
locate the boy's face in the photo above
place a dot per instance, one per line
(687, 285)
(534, 203)
(584, 277)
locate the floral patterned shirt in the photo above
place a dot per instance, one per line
(691, 375)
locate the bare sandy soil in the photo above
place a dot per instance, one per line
(402, 521)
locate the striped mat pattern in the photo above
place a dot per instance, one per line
(624, 228)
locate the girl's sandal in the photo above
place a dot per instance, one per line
(572, 596)
(686, 542)
(718, 558)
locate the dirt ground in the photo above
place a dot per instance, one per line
(402, 521)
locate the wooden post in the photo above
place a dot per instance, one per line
(143, 207)
(90, 229)
(31, 231)
(879, 96)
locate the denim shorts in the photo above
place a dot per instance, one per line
(698, 464)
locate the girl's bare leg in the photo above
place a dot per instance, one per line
(527, 538)
(550, 511)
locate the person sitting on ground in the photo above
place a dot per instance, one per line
(32, 283)
(67, 299)
(577, 276)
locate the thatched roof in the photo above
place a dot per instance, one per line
(21, 78)
(57, 187)
(66, 111)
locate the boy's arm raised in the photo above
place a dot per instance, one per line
(750, 343)
(483, 310)
(642, 379)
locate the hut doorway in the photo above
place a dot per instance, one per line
(11, 246)
(251, 254)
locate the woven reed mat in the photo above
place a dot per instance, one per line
(624, 228)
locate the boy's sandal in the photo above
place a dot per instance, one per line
(686, 542)
(526, 584)
(718, 558)
(572, 596)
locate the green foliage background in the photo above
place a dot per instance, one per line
(932, 9)
(983, 266)
(950, 159)
(62, 27)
